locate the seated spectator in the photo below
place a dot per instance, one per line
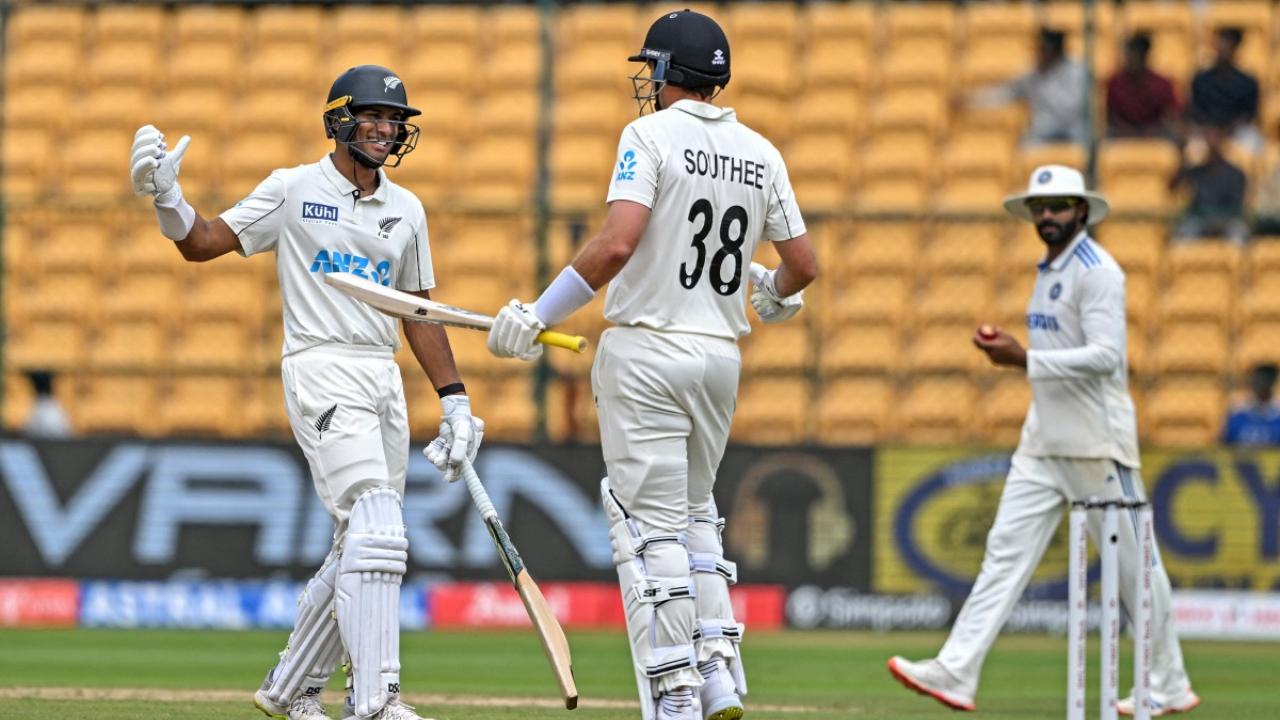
(1266, 201)
(1141, 102)
(1224, 96)
(1055, 90)
(1257, 421)
(1217, 194)
(47, 419)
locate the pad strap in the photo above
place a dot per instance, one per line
(714, 563)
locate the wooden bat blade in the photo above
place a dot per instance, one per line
(554, 643)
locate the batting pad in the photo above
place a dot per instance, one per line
(370, 569)
(717, 634)
(314, 645)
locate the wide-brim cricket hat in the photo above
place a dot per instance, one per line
(1056, 181)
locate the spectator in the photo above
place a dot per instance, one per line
(1256, 422)
(1266, 201)
(1055, 90)
(47, 419)
(1140, 102)
(1217, 194)
(1226, 97)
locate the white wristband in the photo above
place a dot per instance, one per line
(563, 297)
(176, 220)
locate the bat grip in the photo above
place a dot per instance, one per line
(576, 343)
(478, 494)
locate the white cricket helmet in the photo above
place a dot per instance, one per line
(1056, 181)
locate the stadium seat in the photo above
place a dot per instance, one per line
(854, 348)
(915, 109)
(1005, 21)
(1262, 301)
(618, 23)
(915, 62)
(899, 156)
(1185, 413)
(992, 60)
(375, 50)
(944, 349)
(513, 113)
(1191, 347)
(30, 23)
(196, 111)
(1022, 251)
(196, 66)
(1204, 258)
(209, 405)
(130, 345)
(358, 24)
(771, 411)
(513, 393)
(1139, 194)
(998, 126)
(1004, 407)
(1136, 252)
(264, 410)
(1207, 297)
(820, 169)
(212, 345)
(53, 344)
(1032, 157)
(27, 169)
(432, 24)
(225, 25)
(580, 114)
(227, 294)
(288, 24)
(977, 158)
(1011, 302)
(937, 411)
(69, 294)
(43, 63)
(893, 196)
(879, 248)
(580, 170)
(841, 22)
(118, 109)
(827, 112)
(971, 196)
(244, 165)
(1263, 257)
(114, 23)
(133, 63)
(913, 20)
(750, 22)
(854, 411)
(780, 349)
(769, 70)
(498, 172)
(833, 65)
(1123, 158)
(962, 249)
(512, 68)
(1139, 353)
(19, 398)
(140, 295)
(441, 67)
(512, 25)
(118, 405)
(1138, 292)
(599, 69)
(1259, 343)
(955, 300)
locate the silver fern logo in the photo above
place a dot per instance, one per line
(325, 420)
(387, 225)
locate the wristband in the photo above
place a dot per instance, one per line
(563, 297)
(176, 220)
(451, 389)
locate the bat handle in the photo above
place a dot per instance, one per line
(478, 494)
(576, 343)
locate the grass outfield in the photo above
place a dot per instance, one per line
(129, 675)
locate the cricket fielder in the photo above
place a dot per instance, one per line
(1079, 440)
(343, 390)
(693, 193)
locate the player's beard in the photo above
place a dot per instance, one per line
(1065, 231)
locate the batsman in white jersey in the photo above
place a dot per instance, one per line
(1079, 440)
(693, 193)
(343, 389)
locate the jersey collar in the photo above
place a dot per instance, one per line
(343, 186)
(706, 111)
(1065, 256)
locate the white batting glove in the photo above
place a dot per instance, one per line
(153, 168)
(765, 300)
(459, 439)
(515, 331)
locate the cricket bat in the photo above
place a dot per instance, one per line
(549, 631)
(411, 307)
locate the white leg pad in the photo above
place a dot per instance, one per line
(658, 598)
(315, 645)
(370, 569)
(718, 633)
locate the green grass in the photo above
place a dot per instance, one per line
(833, 674)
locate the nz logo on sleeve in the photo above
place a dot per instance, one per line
(316, 213)
(386, 225)
(627, 166)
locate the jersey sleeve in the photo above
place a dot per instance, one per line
(782, 220)
(635, 175)
(256, 220)
(416, 273)
(1103, 323)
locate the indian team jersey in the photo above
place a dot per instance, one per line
(715, 188)
(311, 217)
(1077, 360)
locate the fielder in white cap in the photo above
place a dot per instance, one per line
(1079, 440)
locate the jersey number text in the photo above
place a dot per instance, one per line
(733, 231)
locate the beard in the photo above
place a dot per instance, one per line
(1053, 233)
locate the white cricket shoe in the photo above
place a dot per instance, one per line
(393, 710)
(679, 704)
(1162, 704)
(307, 707)
(719, 692)
(928, 677)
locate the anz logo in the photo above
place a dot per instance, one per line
(318, 213)
(327, 262)
(627, 166)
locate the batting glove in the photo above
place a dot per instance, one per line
(765, 300)
(154, 169)
(459, 439)
(514, 333)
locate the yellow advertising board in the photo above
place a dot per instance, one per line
(1216, 515)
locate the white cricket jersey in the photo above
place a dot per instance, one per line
(1077, 360)
(715, 188)
(311, 217)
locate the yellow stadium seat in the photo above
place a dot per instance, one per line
(1186, 413)
(618, 23)
(508, 113)
(893, 195)
(19, 397)
(1067, 154)
(968, 157)
(771, 411)
(580, 170)
(27, 163)
(131, 63)
(210, 405)
(375, 50)
(244, 165)
(912, 20)
(441, 66)
(1254, 15)
(133, 345)
(66, 294)
(963, 249)
(591, 114)
(898, 156)
(880, 249)
(820, 168)
(974, 195)
(498, 171)
(917, 109)
(915, 61)
(199, 65)
(120, 109)
(1264, 257)
(202, 112)
(1007, 21)
(511, 68)
(1191, 347)
(764, 114)
(997, 126)
(513, 24)
(855, 348)
(961, 300)
(1259, 343)
(78, 244)
(1139, 194)
(771, 72)
(356, 24)
(118, 405)
(140, 295)
(599, 69)
(825, 112)
(53, 344)
(291, 24)
(1137, 292)
(767, 20)
(1207, 297)
(1213, 258)
(29, 23)
(228, 295)
(1011, 302)
(854, 411)
(296, 110)
(1136, 253)
(1023, 250)
(937, 411)
(842, 22)
(1003, 408)
(944, 348)
(212, 345)
(432, 24)
(447, 118)
(784, 348)
(209, 24)
(1141, 157)
(265, 416)
(113, 23)
(837, 65)
(514, 394)
(993, 60)
(44, 63)
(1262, 302)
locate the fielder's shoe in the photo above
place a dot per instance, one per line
(719, 693)
(306, 707)
(679, 704)
(930, 678)
(1162, 704)
(393, 710)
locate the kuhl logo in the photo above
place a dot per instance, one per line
(318, 213)
(327, 262)
(627, 166)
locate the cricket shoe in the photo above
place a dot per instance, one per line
(930, 678)
(719, 693)
(306, 707)
(1162, 704)
(393, 710)
(679, 704)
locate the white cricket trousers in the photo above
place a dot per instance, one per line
(665, 402)
(346, 406)
(1032, 504)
